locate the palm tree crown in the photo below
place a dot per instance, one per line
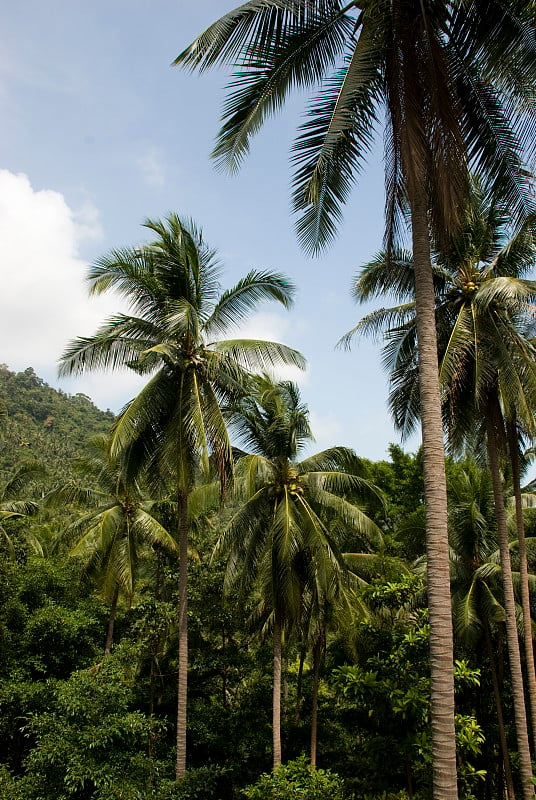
(12, 506)
(118, 522)
(175, 331)
(448, 74)
(484, 318)
(117, 526)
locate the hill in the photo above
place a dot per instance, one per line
(45, 424)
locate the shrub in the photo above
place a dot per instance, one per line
(296, 780)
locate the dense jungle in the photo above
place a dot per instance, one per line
(89, 631)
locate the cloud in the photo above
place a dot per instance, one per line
(44, 297)
(87, 223)
(152, 168)
(274, 327)
(44, 301)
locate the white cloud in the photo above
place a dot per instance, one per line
(274, 327)
(44, 302)
(87, 223)
(152, 168)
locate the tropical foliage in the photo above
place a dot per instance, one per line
(75, 725)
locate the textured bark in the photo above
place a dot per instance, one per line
(513, 446)
(509, 607)
(314, 701)
(111, 622)
(438, 576)
(182, 692)
(500, 719)
(276, 698)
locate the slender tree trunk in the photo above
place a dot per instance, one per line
(182, 693)
(284, 673)
(500, 719)
(111, 622)
(438, 575)
(509, 606)
(513, 446)
(152, 676)
(409, 779)
(500, 779)
(155, 642)
(276, 699)
(224, 668)
(299, 681)
(314, 701)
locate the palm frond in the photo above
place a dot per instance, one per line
(257, 355)
(332, 145)
(237, 304)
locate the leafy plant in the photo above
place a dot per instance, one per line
(297, 780)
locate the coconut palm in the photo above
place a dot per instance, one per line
(475, 573)
(279, 540)
(455, 82)
(117, 528)
(12, 506)
(474, 553)
(484, 312)
(175, 333)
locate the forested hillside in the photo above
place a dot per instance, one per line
(44, 424)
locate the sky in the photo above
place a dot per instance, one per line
(99, 132)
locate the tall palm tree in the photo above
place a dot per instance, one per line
(455, 82)
(175, 332)
(116, 528)
(280, 540)
(484, 312)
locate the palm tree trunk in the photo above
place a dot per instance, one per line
(182, 693)
(509, 606)
(500, 719)
(224, 668)
(276, 699)
(438, 578)
(111, 622)
(299, 682)
(513, 446)
(314, 702)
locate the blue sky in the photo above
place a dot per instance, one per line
(100, 132)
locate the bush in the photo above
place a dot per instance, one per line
(296, 780)
(203, 783)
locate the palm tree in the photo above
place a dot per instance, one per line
(176, 424)
(487, 374)
(117, 528)
(475, 567)
(279, 540)
(455, 82)
(13, 507)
